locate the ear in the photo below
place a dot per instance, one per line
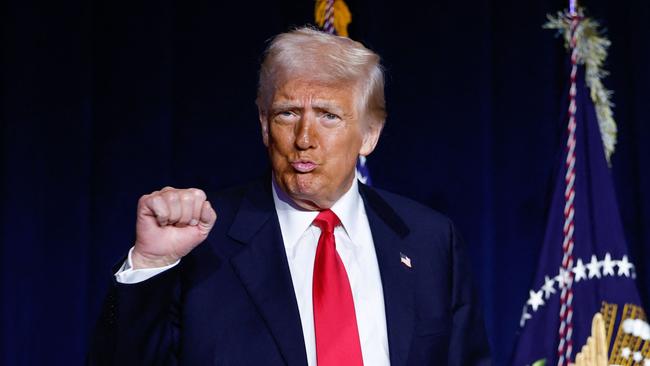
(264, 124)
(370, 138)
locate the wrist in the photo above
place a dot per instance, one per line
(142, 261)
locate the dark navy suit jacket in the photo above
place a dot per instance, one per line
(231, 300)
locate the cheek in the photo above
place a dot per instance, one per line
(345, 147)
(278, 159)
(281, 138)
(278, 155)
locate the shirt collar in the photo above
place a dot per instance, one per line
(295, 220)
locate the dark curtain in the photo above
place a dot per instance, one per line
(103, 101)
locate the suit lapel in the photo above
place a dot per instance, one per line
(398, 281)
(263, 270)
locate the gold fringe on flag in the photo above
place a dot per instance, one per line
(342, 16)
(591, 47)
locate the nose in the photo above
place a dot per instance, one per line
(306, 137)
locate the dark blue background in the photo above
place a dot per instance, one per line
(103, 101)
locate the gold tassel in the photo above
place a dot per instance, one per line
(342, 16)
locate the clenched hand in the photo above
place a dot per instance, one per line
(170, 223)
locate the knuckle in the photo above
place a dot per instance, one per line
(156, 200)
(148, 200)
(144, 198)
(171, 196)
(198, 193)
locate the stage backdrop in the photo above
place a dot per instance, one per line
(103, 101)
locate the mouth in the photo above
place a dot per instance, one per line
(303, 166)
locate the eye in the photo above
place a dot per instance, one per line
(329, 119)
(285, 116)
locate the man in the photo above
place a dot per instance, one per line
(308, 266)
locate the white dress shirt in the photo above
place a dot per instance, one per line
(354, 245)
(357, 251)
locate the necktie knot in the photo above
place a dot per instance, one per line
(327, 221)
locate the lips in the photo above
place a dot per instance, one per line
(303, 166)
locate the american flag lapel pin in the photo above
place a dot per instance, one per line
(405, 260)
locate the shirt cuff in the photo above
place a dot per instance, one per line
(127, 275)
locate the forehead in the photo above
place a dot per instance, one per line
(308, 90)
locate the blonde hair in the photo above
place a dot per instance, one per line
(323, 57)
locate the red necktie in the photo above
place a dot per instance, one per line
(335, 322)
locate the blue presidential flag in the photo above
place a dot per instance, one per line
(584, 266)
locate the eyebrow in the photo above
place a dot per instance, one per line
(284, 105)
(327, 106)
(318, 104)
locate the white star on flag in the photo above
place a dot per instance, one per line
(608, 265)
(548, 287)
(580, 271)
(562, 278)
(524, 316)
(624, 267)
(535, 300)
(594, 267)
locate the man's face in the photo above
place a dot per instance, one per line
(314, 134)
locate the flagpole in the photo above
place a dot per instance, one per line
(573, 5)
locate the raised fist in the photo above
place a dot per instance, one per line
(170, 223)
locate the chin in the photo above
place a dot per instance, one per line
(302, 187)
(304, 184)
